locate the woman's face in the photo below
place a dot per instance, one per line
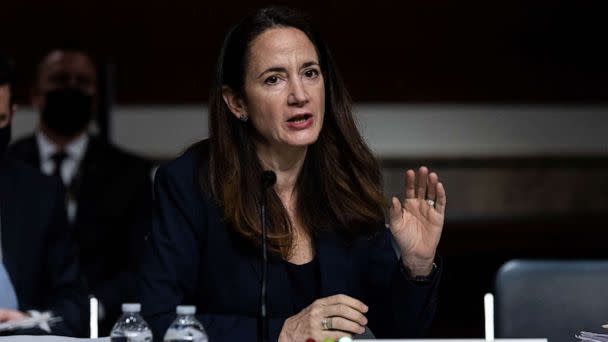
(284, 88)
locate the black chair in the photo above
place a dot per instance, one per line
(551, 298)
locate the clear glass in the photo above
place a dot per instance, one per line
(186, 328)
(131, 327)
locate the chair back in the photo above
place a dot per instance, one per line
(555, 299)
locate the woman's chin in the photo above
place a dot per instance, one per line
(301, 141)
(308, 137)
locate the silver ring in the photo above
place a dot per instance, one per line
(326, 323)
(431, 203)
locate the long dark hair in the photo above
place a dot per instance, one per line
(339, 186)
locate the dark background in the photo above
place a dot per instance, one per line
(406, 51)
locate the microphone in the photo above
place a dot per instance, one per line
(268, 179)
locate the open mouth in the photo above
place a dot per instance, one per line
(300, 118)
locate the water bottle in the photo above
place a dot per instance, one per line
(131, 327)
(186, 327)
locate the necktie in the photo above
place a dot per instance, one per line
(58, 158)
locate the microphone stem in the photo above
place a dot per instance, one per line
(263, 312)
(268, 179)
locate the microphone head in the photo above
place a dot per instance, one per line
(269, 178)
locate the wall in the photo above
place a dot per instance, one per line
(392, 130)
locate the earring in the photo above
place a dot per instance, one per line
(244, 117)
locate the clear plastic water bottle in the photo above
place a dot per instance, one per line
(186, 327)
(131, 327)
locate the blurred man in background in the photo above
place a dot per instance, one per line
(38, 255)
(108, 190)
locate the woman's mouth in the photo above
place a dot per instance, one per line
(300, 121)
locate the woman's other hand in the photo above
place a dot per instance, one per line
(330, 317)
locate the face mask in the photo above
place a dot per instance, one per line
(67, 111)
(5, 138)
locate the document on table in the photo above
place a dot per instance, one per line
(585, 336)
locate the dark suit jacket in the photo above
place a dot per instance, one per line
(193, 257)
(38, 249)
(114, 197)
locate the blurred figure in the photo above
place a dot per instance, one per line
(39, 264)
(108, 190)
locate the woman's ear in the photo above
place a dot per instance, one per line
(234, 102)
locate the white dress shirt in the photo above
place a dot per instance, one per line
(75, 153)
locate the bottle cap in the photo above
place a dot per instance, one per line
(185, 309)
(131, 307)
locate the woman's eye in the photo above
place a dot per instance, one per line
(271, 80)
(311, 73)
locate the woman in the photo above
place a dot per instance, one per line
(278, 104)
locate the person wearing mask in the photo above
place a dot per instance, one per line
(108, 190)
(39, 268)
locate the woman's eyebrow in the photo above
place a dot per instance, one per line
(284, 70)
(272, 69)
(307, 64)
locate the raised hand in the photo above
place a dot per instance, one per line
(417, 222)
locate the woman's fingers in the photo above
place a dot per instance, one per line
(410, 181)
(346, 300)
(423, 185)
(345, 312)
(395, 211)
(346, 325)
(432, 186)
(423, 174)
(441, 199)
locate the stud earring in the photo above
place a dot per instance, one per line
(244, 117)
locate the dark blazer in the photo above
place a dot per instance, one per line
(113, 191)
(193, 257)
(38, 249)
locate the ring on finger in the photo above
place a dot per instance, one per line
(430, 202)
(326, 323)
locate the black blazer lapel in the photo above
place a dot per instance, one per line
(26, 150)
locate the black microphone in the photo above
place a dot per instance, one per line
(268, 179)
